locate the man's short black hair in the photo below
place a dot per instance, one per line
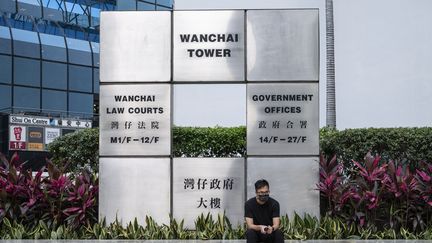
(260, 184)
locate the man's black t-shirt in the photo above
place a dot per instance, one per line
(262, 214)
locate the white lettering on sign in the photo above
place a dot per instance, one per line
(53, 122)
(29, 120)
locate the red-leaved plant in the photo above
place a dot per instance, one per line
(330, 184)
(387, 195)
(55, 198)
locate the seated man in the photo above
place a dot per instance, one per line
(262, 216)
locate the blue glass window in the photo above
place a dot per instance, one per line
(5, 69)
(106, 6)
(26, 99)
(167, 3)
(95, 48)
(27, 71)
(8, 6)
(53, 4)
(145, 6)
(162, 8)
(25, 35)
(5, 94)
(96, 80)
(52, 40)
(53, 10)
(22, 22)
(33, 2)
(95, 12)
(109, 7)
(53, 47)
(26, 43)
(54, 75)
(148, 1)
(49, 27)
(2, 20)
(54, 102)
(82, 20)
(93, 36)
(80, 78)
(30, 8)
(53, 14)
(74, 8)
(80, 104)
(5, 40)
(95, 21)
(79, 51)
(126, 5)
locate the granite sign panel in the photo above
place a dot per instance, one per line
(132, 188)
(282, 45)
(282, 119)
(292, 182)
(135, 119)
(208, 45)
(135, 46)
(208, 185)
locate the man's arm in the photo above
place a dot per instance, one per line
(276, 223)
(252, 226)
(275, 226)
(275, 217)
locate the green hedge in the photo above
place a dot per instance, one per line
(81, 148)
(411, 144)
(209, 142)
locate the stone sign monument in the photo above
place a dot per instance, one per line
(274, 53)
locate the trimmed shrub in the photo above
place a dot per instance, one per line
(404, 144)
(79, 149)
(209, 142)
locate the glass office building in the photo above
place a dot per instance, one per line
(49, 54)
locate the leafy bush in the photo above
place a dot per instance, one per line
(209, 142)
(53, 199)
(79, 149)
(207, 228)
(384, 195)
(395, 194)
(404, 144)
(409, 145)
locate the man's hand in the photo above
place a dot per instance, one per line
(263, 229)
(266, 229)
(269, 230)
